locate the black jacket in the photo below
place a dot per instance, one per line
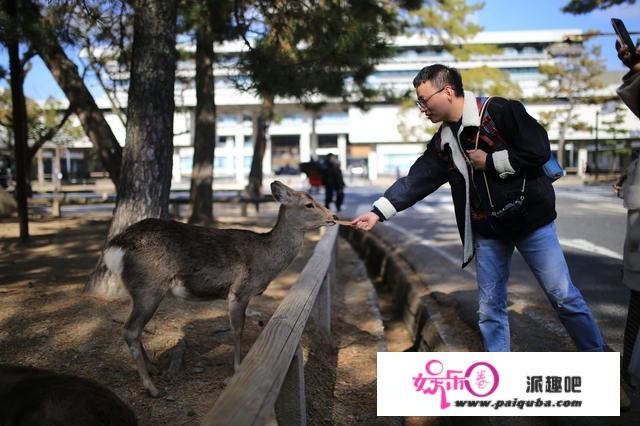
(332, 176)
(522, 147)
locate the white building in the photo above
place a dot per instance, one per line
(385, 139)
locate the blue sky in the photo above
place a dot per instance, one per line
(504, 15)
(497, 15)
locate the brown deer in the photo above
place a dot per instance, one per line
(31, 396)
(154, 256)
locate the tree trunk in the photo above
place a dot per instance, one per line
(66, 74)
(56, 169)
(147, 160)
(254, 189)
(562, 134)
(19, 121)
(205, 137)
(561, 140)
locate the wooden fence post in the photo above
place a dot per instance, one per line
(331, 273)
(291, 407)
(321, 312)
(56, 209)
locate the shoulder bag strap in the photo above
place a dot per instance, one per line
(486, 182)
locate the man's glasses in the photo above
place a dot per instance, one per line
(423, 103)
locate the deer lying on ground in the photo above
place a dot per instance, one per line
(154, 257)
(30, 396)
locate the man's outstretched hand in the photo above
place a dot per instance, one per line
(365, 221)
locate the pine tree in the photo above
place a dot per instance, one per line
(574, 79)
(578, 7)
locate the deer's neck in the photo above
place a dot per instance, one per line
(287, 236)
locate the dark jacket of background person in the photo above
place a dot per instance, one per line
(332, 176)
(629, 92)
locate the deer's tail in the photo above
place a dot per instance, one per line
(113, 257)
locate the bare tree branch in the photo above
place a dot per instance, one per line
(28, 55)
(241, 23)
(50, 134)
(116, 107)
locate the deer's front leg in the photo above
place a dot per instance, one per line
(237, 308)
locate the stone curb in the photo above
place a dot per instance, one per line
(433, 328)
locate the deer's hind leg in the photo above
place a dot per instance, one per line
(237, 308)
(144, 306)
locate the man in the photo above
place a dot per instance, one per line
(333, 182)
(502, 200)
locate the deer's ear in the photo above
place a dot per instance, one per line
(282, 192)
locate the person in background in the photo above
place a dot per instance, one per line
(333, 182)
(628, 188)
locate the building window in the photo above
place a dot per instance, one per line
(223, 165)
(292, 120)
(285, 150)
(186, 165)
(248, 141)
(333, 117)
(509, 51)
(220, 163)
(226, 119)
(327, 141)
(531, 50)
(397, 163)
(225, 142)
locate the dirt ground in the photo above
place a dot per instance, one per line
(47, 321)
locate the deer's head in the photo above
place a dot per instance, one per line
(302, 208)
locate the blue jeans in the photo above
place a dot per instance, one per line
(541, 250)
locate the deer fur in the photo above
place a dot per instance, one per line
(31, 396)
(154, 257)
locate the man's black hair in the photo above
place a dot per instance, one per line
(440, 76)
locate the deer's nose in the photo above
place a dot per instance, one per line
(335, 217)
